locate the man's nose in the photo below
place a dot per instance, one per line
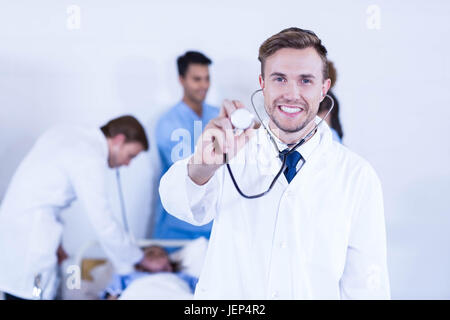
(292, 91)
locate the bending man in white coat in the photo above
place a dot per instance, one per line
(66, 163)
(319, 233)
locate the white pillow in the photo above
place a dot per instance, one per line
(192, 256)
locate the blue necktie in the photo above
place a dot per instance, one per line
(291, 163)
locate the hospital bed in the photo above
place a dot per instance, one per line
(96, 272)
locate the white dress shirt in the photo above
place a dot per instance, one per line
(283, 146)
(66, 163)
(320, 237)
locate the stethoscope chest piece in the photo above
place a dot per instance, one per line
(241, 119)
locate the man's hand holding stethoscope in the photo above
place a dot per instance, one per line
(219, 143)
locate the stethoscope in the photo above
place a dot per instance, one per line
(39, 287)
(122, 206)
(281, 154)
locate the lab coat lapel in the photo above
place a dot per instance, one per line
(268, 161)
(314, 155)
(305, 179)
(314, 165)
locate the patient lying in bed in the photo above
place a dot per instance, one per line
(160, 263)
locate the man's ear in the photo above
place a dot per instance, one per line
(325, 87)
(261, 81)
(181, 79)
(119, 139)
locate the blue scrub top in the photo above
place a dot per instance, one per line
(177, 132)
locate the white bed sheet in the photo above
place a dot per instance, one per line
(160, 286)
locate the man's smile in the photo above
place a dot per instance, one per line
(290, 110)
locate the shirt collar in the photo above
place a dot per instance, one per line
(188, 110)
(305, 150)
(104, 142)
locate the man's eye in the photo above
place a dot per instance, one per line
(279, 79)
(306, 81)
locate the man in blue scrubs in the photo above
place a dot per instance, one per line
(176, 134)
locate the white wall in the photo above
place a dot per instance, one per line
(392, 86)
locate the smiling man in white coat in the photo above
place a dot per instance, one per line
(66, 163)
(319, 233)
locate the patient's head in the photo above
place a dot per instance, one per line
(157, 260)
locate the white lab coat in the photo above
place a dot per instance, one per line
(66, 163)
(320, 237)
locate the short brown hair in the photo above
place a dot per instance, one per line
(294, 38)
(332, 73)
(130, 127)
